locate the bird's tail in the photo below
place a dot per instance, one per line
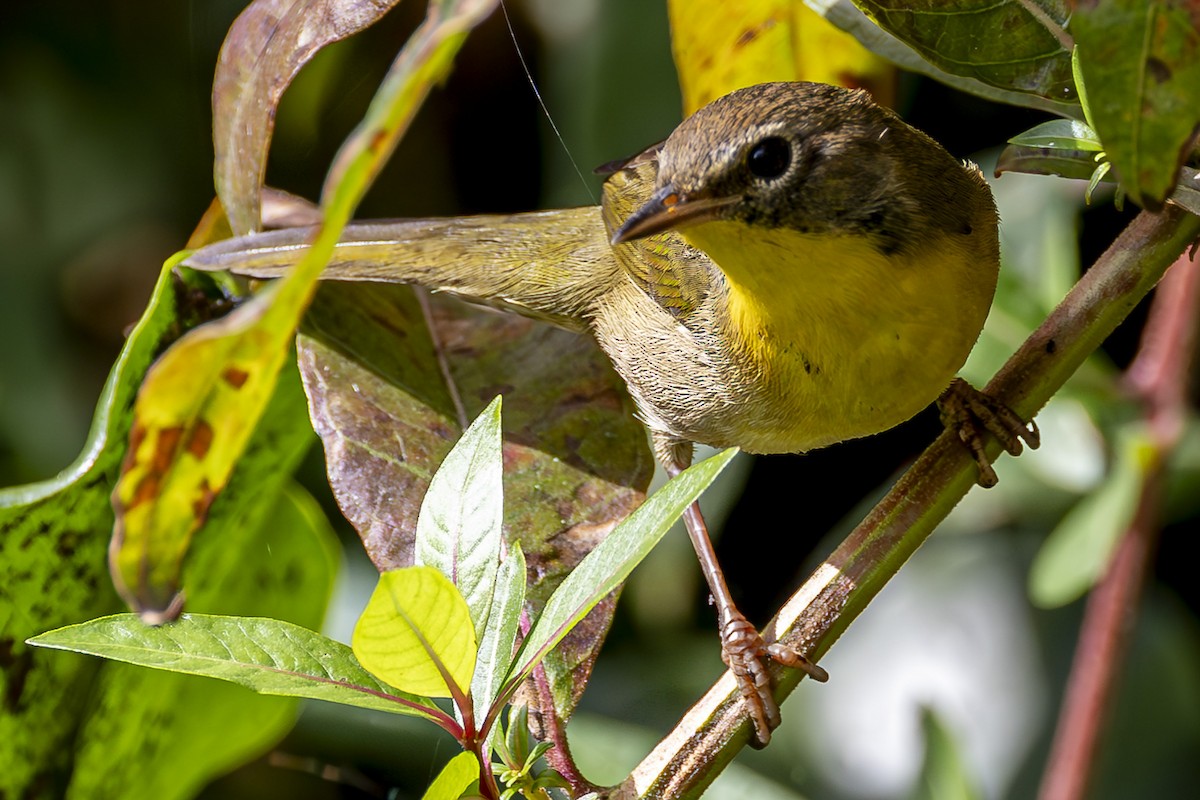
(550, 265)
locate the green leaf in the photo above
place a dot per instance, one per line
(455, 778)
(846, 16)
(266, 46)
(1065, 163)
(500, 634)
(1140, 62)
(944, 773)
(1067, 148)
(1076, 553)
(460, 527)
(53, 539)
(612, 560)
(267, 655)
(1102, 170)
(1012, 46)
(152, 733)
(1060, 134)
(416, 633)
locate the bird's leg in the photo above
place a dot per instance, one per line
(742, 647)
(972, 413)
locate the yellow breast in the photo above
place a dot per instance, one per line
(839, 339)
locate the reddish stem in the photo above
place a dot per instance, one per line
(1158, 377)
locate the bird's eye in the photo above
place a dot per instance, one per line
(770, 157)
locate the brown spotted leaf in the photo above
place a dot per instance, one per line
(203, 398)
(265, 47)
(721, 46)
(53, 537)
(576, 460)
(193, 417)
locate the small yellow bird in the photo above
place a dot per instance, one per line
(793, 267)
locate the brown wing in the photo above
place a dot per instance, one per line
(549, 265)
(675, 275)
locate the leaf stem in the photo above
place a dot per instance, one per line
(1158, 376)
(488, 788)
(555, 729)
(715, 729)
(1046, 21)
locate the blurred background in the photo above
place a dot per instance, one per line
(106, 165)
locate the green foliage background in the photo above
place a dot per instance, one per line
(105, 165)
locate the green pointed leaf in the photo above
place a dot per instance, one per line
(267, 655)
(1140, 62)
(500, 634)
(612, 560)
(460, 527)
(1060, 134)
(1075, 164)
(455, 778)
(166, 735)
(944, 774)
(1094, 181)
(1076, 553)
(416, 633)
(1067, 148)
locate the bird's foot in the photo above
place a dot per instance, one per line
(972, 413)
(743, 650)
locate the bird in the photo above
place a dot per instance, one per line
(794, 266)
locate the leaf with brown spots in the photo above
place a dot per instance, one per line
(52, 540)
(576, 459)
(53, 537)
(164, 492)
(274, 555)
(190, 428)
(721, 46)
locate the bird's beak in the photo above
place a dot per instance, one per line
(669, 209)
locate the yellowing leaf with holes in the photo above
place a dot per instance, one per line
(416, 634)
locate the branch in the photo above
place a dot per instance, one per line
(715, 729)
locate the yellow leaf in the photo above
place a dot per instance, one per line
(416, 632)
(721, 46)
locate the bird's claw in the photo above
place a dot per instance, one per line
(970, 413)
(743, 650)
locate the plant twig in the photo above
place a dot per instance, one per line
(1158, 376)
(715, 729)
